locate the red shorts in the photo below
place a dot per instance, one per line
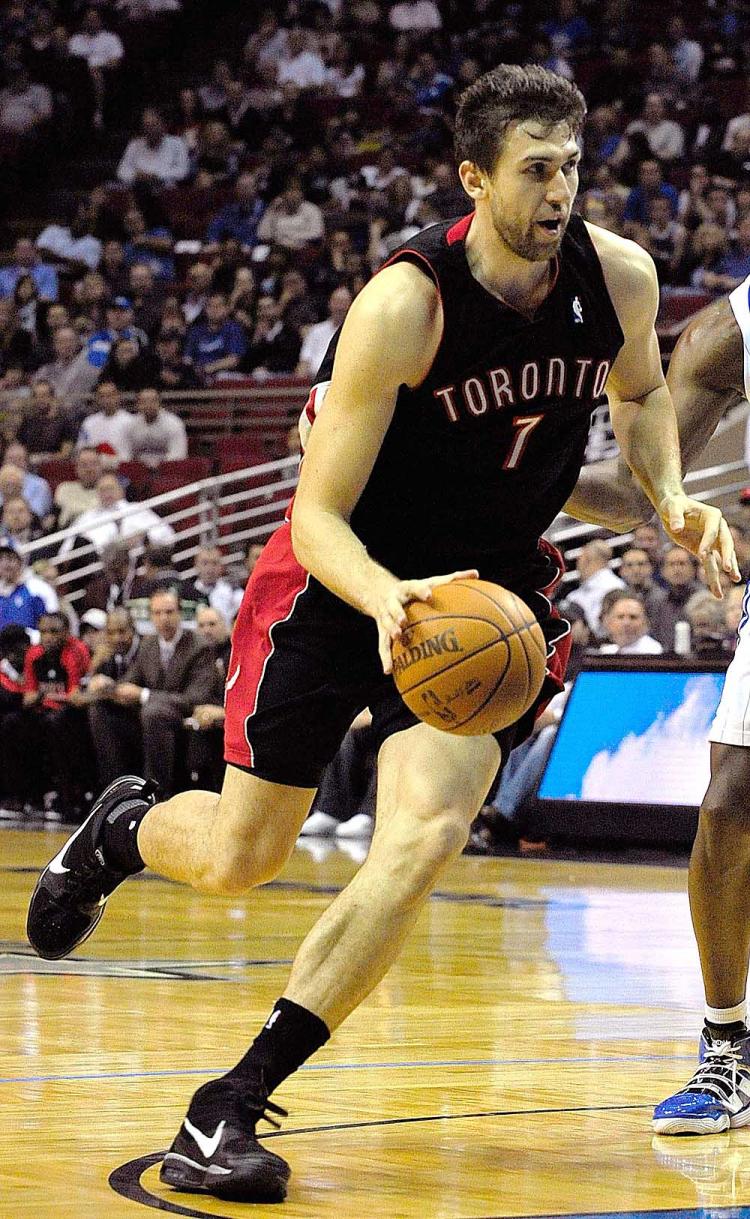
(304, 664)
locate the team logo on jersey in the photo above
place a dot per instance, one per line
(577, 311)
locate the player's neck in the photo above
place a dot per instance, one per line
(515, 281)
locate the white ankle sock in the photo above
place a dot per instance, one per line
(727, 1015)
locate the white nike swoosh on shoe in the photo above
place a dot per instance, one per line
(56, 865)
(206, 1143)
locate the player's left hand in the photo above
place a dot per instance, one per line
(701, 530)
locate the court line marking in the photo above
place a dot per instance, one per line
(356, 1066)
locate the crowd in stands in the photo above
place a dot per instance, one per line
(244, 190)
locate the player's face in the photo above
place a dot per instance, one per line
(532, 188)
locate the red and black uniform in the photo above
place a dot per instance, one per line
(56, 673)
(475, 465)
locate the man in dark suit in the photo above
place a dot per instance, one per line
(170, 674)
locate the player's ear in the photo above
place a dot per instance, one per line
(473, 180)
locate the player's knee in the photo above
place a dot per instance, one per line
(240, 863)
(416, 849)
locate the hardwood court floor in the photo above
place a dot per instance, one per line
(506, 1067)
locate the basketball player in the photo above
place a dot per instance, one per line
(450, 424)
(708, 373)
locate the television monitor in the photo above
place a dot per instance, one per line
(630, 760)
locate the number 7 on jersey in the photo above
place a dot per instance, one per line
(523, 426)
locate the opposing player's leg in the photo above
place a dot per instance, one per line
(430, 787)
(718, 1094)
(217, 843)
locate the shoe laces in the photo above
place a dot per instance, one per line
(257, 1108)
(718, 1073)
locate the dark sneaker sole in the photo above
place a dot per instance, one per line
(44, 898)
(263, 1184)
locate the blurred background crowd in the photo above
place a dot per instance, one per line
(191, 197)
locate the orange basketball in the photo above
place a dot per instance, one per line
(471, 660)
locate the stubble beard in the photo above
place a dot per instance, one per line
(522, 242)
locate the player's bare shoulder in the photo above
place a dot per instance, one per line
(709, 351)
(400, 311)
(629, 271)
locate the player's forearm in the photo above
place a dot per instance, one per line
(647, 434)
(608, 496)
(326, 546)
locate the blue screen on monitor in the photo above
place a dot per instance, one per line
(634, 737)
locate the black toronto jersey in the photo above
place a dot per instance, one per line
(483, 454)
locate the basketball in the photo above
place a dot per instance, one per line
(471, 660)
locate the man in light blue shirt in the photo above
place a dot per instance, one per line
(28, 262)
(35, 490)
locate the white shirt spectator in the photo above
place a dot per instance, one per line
(415, 15)
(737, 129)
(101, 429)
(101, 50)
(665, 139)
(645, 646)
(293, 230)
(315, 344)
(154, 441)
(23, 110)
(168, 161)
(590, 594)
(123, 520)
(306, 70)
(57, 239)
(687, 56)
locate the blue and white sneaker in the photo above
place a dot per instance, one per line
(718, 1095)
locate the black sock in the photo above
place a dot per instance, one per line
(118, 835)
(289, 1037)
(727, 1032)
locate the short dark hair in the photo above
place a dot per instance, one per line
(504, 95)
(57, 616)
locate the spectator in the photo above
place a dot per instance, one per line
(78, 495)
(274, 348)
(198, 279)
(48, 739)
(215, 156)
(146, 298)
(18, 523)
(14, 644)
(569, 31)
(650, 184)
(73, 244)
(344, 77)
(665, 240)
(16, 347)
(47, 430)
(709, 247)
(152, 246)
(92, 626)
(34, 489)
(596, 579)
(665, 137)
(119, 325)
(238, 219)
(28, 311)
(236, 111)
(28, 262)
(114, 653)
(111, 587)
(290, 220)
(692, 208)
(25, 105)
(70, 375)
(113, 268)
(687, 54)
(23, 596)
(626, 625)
(129, 366)
(171, 674)
(216, 345)
(170, 370)
(102, 51)
(106, 429)
(678, 572)
(709, 633)
(734, 266)
(154, 157)
(155, 435)
(637, 570)
(318, 337)
(213, 95)
(300, 64)
(415, 16)
(208, 586)
(114, 518)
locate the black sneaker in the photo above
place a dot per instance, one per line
(71, 892)
(216, 1150)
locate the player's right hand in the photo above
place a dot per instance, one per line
(389, 602)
